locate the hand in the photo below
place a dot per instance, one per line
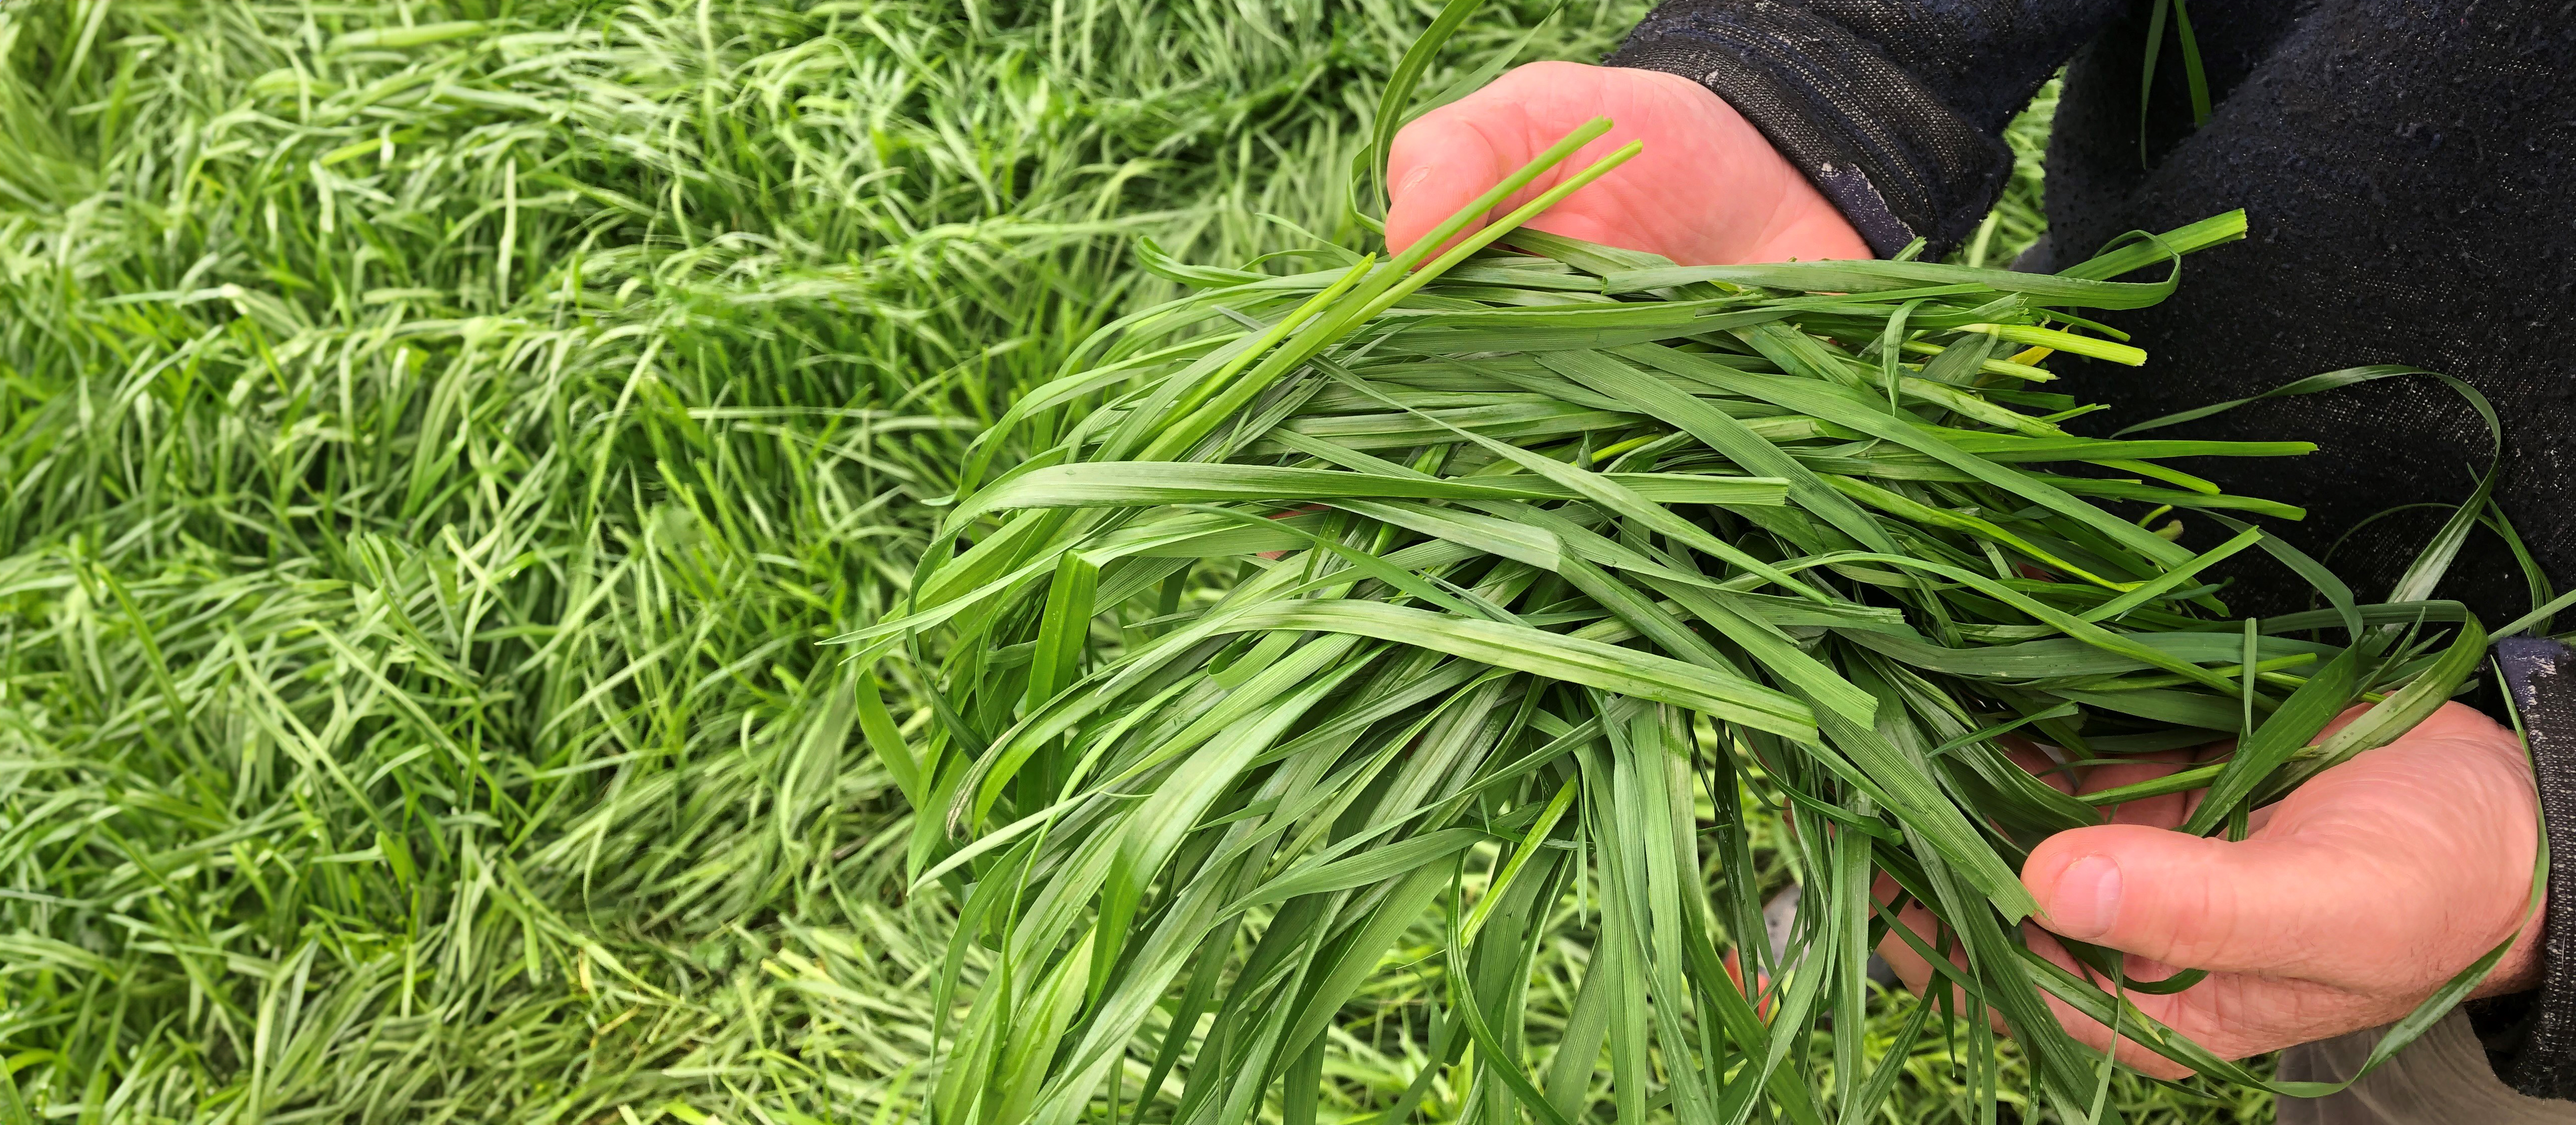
(1708, 189)
(2351, 900)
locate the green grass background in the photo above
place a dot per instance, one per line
(435, 450)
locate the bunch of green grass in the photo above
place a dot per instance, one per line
(436, 432)
(1538, 558)
(437, 435)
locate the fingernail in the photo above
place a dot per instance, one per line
(2086, 899)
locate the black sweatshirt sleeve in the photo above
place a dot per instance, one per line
(1895, 109)
(2536, 1054)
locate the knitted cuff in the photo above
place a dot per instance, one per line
(2541, 674)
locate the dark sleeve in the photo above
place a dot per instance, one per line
(2538, 1056)
(1895, 109)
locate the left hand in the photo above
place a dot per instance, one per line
(1708, 188)
(2350, 902)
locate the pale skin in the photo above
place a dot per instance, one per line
(1708, 189)
(2349, 902)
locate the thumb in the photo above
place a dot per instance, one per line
(1442, 162)
(2297, 906)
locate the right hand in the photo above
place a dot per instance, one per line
(2352, 899)
(1708, 190)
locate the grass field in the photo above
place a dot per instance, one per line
(437, 438)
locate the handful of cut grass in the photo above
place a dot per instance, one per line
(1404, 598)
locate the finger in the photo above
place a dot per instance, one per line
(2172, 809)
(1907, 961)
(2407, 860)
(2167, 810)
(1906, 957)
(1443, 161)
(2047, 763)
(1916, 973)
(2231, 1015)
(1760, 992)
(2191, 1013)
(2040, 763)
(2090, 1032)
(1900, 954)
(2209, 904)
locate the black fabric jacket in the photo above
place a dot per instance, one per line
(2409, 172)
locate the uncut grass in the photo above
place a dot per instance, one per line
(433, 458)
(434, 452)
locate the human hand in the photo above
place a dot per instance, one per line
(2351, 900)
(1708, 189)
